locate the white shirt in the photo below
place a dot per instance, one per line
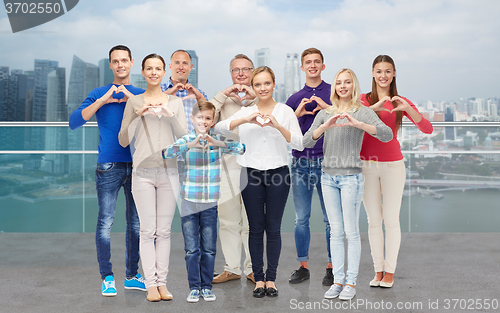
(266, 148)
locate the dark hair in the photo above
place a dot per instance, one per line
(373, 97)
(262, 69)
(153, 56)
(240, 56)
(311, 51)
(120, 47)
(180, 50)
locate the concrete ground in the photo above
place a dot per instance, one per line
(437, 272)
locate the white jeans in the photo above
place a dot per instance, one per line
(233, 221)
(155, 192)
(384, 185)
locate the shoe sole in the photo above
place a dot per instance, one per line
(108, 294)
(298, 281)
(193, 301)
(346, 298)
(209, 299)
(135, 288)
(226, 280)
(330, 297)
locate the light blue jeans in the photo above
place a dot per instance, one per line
(342, 196)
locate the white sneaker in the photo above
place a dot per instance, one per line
(347, 293)
(333, 292)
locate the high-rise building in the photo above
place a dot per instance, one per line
(138, 81)
(450, 132)
(4, 87)
(106, 75)
(292, 74)
(193, 75)
(83, 79)
(56, 139)
(42, 69)
(262, 57)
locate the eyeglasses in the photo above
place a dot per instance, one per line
(244, 70)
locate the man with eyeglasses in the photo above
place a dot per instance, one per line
(233, 220)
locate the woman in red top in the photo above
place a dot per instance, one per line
(384, 169)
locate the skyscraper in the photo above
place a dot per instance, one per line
(292, 74)
(84, 78)
(193, 75)
(42, 69)
(55, 137)
(262, 57)
(138, 81)
(105, 73)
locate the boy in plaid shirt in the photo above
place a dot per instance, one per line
(200, 192)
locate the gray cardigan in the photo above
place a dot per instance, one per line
(342, 145)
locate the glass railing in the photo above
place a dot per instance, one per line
(47, 180)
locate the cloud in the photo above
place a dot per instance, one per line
(436, 44)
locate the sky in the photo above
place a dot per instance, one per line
(444, 50)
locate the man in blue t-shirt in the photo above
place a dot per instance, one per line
(114, 168)
(306, 164)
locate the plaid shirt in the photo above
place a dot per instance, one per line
(203, 168)
(187, 102)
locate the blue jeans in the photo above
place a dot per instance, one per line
(109, 178)
(342, 195)
(200, 243)
(265, 198)
(306, 174)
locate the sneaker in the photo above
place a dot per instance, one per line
(108, 286)
(194, 296)
(208, 295)
(224, 277)
(136, 282)
(333, 292)
(299, 275)
(347, 293)
(328, 278)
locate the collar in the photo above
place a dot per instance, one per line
(319, 87)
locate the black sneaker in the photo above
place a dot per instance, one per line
(299, 275)
(328, 279)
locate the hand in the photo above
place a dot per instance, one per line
(320, 104)
(271, 121)
(198, 142)
(250, 93)
(252, 118)
(173, 91)
(145, 109)
(108, 96)
(212, 142)
(126, 94)
(351, 121)
(301, 109)
(193, 92)
(401, 104)
(332, 122)
(379, 106)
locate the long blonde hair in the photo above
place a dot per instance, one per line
(354, 104)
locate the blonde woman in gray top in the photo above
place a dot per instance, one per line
(343, 125)
(150, 122)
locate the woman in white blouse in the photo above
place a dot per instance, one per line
(267, 129)
(152, 119)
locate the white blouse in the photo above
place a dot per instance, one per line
(266, 148)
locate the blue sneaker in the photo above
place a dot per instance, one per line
(108, 286)
(208, 295)
(194, 296)
(136, 283)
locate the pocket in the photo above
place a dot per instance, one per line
(105, 167)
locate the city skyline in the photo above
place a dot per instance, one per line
(442, 49)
